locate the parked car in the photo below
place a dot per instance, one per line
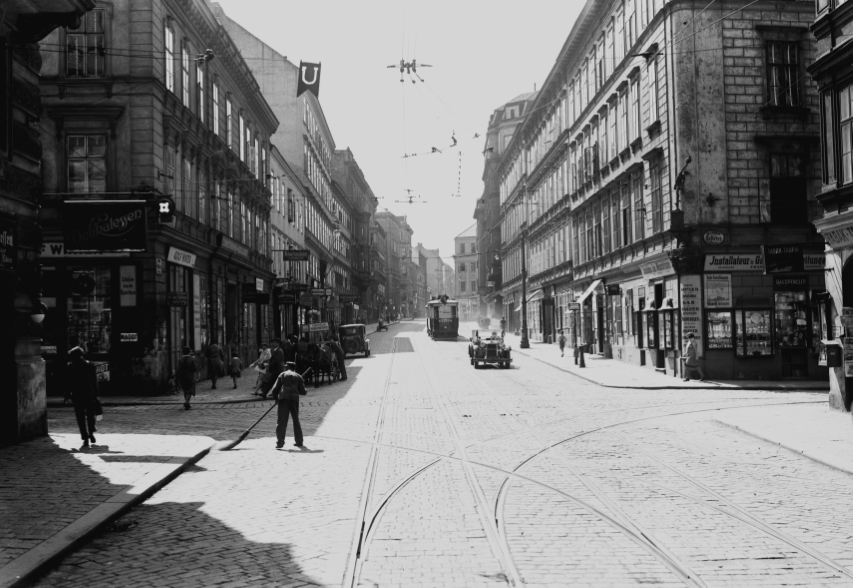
(490, 350)
(354, 339)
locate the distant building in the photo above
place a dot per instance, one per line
(466, 266)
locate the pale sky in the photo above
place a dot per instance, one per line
(483, 53)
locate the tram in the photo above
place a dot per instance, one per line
(442, 318)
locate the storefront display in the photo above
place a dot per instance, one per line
(792, 325)
(666, 329)
(651, 330)
(752, 333)
(719, 329)
(89, 308)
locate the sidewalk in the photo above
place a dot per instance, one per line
(613, 373)
(225, 392)
(53, 496)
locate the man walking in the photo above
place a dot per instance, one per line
(287, 389)
(562, 342)
(82, 382)
(503, 326)
(339, 354)
(275, 366)
(691, 358)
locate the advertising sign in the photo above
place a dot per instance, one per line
(318, 291)
(296, 255)
(102, 369)
(314, 327)
(176, 298)
(298, 287)
(127, 285)
(657, 269)
(690, 290)
(287, 298)
(734, 262)
(103, 225)
(718, 290)
(180, 257)
(129, 337)
(792, 258)
(8, 249)
(305, 299)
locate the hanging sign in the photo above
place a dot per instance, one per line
(180, 257)
(792, 258)
(296, 255)
(309, 79)
(104, 225)
(314, 327)
(734, 262)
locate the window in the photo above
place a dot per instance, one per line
(623, 121)
(630, 24)
(202, 195)
(199, 85)
(612, 118)
(609, 54)
(639, 207)
(605, 216)
(169, 58)
(291, 207)
(828, 139)
(636, 115)
(187, 187)
(85, 46)
(185, 69)
(461, 285)
(215, 92)
(615, 219)
(230, 221)
(169, 186)
(241, 140)
(473, 285)
(462, 248)
(652, 68)
(87, 163)
(462, 266)
(656, 196)
(788, 189)
(229, 124)
(783, 64)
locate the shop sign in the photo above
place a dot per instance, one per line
(286, 298)
(231, 245)
(296, 255)
(127, 285)
(798, 283)
(315, 327)
(259, 284)
(176, 298)
(305, 299)
(573, 306)
(734, 262)
(841, 237)
(49, 250)
(490, 284)
(8, 249)
(298, 287)
(714, 237)
(690, 290)
(197, 310)
(102, 369)
(657, 269)
(348, 298)
(180, 257)
(319, 292)
(102, 225)
(792, 258)
(280, 282)
(129, 337)
(718, 291)
(49, 349)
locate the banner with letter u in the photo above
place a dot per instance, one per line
(309, 79)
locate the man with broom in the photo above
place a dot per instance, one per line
(287, 389)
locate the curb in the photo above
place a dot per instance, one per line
(21, 570)
(109, 404)
(768, 388)
(804, 453)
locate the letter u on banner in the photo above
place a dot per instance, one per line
(308, 71)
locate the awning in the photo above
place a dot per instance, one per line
(595, 284)
(667, 304)
(536, 295)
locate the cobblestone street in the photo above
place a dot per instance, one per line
(421, 471)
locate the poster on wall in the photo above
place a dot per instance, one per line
(718, 290)
(197, 310)
(690, 290)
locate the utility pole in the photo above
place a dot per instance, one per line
(525, 342)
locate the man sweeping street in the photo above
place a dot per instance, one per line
(287, 389)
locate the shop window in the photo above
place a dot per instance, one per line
(788, 192)
(90, 306)
(791, 319)
(720, 330)
(179, 291)
(86, 48)
(752, 333)
(783, 79)
(666, 329)
(87, 163)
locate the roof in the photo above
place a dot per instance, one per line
(469, 232)
(523, 97)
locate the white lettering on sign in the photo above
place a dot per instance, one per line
(127, 285)
(58, 250)
(814, 261)
(690, 288)
(180, 257)
(838, 237)
(734, 262)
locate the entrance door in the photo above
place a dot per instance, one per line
(548, 319)
(599, 323)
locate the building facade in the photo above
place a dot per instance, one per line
(833, 73)
(466, 261)
(502, 125)
(124, 129)
(23, 406)
(650, 193)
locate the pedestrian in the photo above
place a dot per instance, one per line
(275, 366)
(216, 367)
(82, 391)
(287, 389)
(562, 341)
(339, 353)
(187, 375)
(691, 358)
(260, 366)
(503, 326)
(236, 368)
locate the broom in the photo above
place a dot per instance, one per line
(245, 433)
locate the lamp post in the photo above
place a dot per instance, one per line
(525, 342)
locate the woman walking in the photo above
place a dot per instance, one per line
(236, 368)
(187, 375)
(260, 366)
(215, 363)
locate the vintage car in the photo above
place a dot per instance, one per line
(489, 349)
(354, 339)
